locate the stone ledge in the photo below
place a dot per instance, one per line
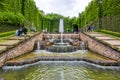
(8, 47)
(98, 62)
(16, 44)
(19, 49)
(98, 46)
(103, 42)
(4, 49)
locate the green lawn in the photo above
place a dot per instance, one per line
(6, 34)
(117, 34)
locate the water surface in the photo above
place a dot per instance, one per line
(61, 70)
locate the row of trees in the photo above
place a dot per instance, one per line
(54, 22)
(104, 14)
(17, 13)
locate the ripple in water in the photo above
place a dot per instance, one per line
(61, 71)
(62, 75)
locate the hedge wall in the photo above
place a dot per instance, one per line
(104, 14)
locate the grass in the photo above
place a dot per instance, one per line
(3, 41)
(6, 34)
(117, 34)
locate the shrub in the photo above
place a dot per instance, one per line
(4, 7)
(11, 18)
(19, 18)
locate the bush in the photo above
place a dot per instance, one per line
(19, 18)
(1, 17)
(4, 7)
(11, 18)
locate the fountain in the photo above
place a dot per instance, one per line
(61, 47)
(38, 45)
(61, 29)
(60, 66)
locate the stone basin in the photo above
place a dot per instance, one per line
(43, 56)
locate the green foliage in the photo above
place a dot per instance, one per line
(19, 12)
(6, 28)
(101, 14)
(12, 5)
(11, 18)
(117, 34)
(52, 22)
(1, 17)
(4, 7)
(32, 15)
(111, 7)
(7, 34)
(19, 18)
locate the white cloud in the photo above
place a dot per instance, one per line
(64, 7)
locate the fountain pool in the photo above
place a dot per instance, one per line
(75, 68)
(61, 70)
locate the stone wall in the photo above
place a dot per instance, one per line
(28, 46)
(20, 49)
(56, 36)
(100, 48)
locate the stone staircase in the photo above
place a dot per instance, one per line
(112, 41)
(7, 43)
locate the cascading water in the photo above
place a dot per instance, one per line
(62, 75)
(38, 45)
(61, 47)
(60, 70)
(82, 45)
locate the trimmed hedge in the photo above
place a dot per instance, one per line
(11, 18)
(117, 34)
(7, 33)
(104, 14)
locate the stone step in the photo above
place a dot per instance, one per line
(16, 38)
(118, 46)
(106, 38)
(99, 62)
(2, 47)
(96, 35)
(5, 45)
(112, 42)
(10, 42)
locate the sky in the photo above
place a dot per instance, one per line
(64, 7)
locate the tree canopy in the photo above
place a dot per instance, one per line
(25, 12)
(103, 13)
